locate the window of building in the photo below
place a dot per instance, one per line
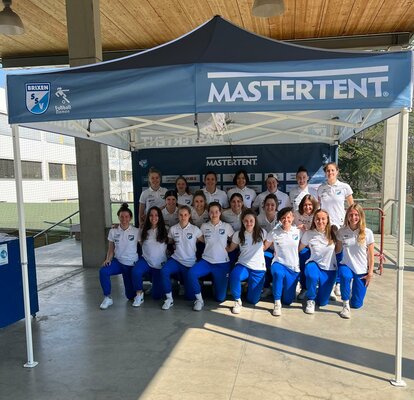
(113, 174)
(30, 169)
(70, 170)
(62, 172)
(126, 176)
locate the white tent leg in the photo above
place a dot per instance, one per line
(402, 169)
(23, 248)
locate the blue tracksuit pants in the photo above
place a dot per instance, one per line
(173, 267)
(116, 268)
(359, 290)
(284, 283)
(142, 268)
(255, 281)
(220, 274)
(303, 257)
(314, 276)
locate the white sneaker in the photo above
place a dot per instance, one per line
(237, 307)
(107, 302)
(277, 309)
(337, 290)
(266, 292)
(310, 307)
(138, 300)
(302, 294)
(346, 312)
(332, 296)
(198, 305)
(168, 303)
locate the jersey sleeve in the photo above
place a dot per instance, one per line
(198, 232)
(111, 235)
(305, 238)
(369, 236)
(236, 238)
(348, 190)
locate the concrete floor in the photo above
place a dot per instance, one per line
(146, 353)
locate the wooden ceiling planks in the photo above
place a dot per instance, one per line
(133, 24)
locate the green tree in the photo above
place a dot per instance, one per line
(360, 160)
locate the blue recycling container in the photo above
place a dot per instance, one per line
(11, 281)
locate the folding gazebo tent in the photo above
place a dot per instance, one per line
(275, 93)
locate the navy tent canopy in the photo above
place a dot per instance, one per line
(244, 89)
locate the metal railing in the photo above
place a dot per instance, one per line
(47, 230)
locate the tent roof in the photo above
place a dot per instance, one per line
(238, 86)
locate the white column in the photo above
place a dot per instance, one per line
(402, 180)
(23, 248)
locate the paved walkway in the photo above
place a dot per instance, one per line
(146, 353)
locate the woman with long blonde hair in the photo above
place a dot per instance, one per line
(356, 242)
(320, 269)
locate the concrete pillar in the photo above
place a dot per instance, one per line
(389, 169)
(84, 40)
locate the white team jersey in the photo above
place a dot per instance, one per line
(251, 254)
(184, 199)
(332, 199)
(125, 243)
(286, 245)
(297, 194)
(355, 254)
(232, 218)
(302, 219)
(248, 195)
(199, 220)
(215, 238)
(219, 195)
(152, 198)
(265, 223)
(153, 251)
(170, 219)
(185, 240)
(282, 199)
(321, 252)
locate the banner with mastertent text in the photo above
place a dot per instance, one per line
(379, 82)
(365, 82)
(281, 160)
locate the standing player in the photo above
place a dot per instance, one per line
(241, 180)
(153, 196)
(211, 191)
(272, 187)
(185, 198)
(302, 189)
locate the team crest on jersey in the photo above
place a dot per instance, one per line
(131, 237)
(37, 97)
(295, 237)
(189, 236)
(338, 192)
(247, 196)
(221, 231)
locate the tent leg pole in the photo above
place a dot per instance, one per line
(23, 248)
(402, 169)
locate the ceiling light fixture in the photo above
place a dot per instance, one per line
(268, 8)
(10, 22)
